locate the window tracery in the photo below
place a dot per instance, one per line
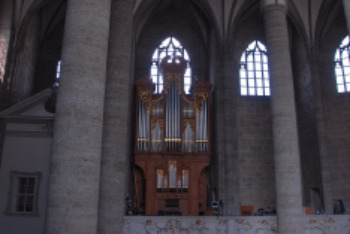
(173, 48)
(254, 71)
(342, 66)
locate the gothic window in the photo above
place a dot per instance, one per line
(342, 66)
(254, 72)
(23, 193)
(58, 73)
(58, 70)
(169, 47)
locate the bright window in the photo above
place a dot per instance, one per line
(169, 47)
(58, 73)
(342, 66)
(254, 71)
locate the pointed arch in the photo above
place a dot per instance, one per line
(199, 11)
(22, 28)
(306, 32)
(240, 12)
(191, 22)
(327, 15)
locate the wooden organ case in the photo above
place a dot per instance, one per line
(172, 148)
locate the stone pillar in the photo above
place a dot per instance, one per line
(115, 168)
(77, 142)
(226, 140)
(322, 136)
(285, 135)
(346, 4)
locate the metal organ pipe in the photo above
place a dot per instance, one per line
(148, 119)
(146, 124)
(143, 128)
(177, 114)
(172, 118)
(178, 128)
(144, 114)
(204, 125)
(201, 129)
(167, 122)
(197, 132)
(139, 128)
(175, 119)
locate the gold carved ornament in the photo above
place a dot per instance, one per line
(169, 77)
(146, 98)
(154, 123)
(190, 121)
(198, 100)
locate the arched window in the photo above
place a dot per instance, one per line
(342, 66)
(169, 47)
(254, 71)
(58, 73)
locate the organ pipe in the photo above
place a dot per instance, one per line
(173, 119)
(143, 131)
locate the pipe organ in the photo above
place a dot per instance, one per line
(172, 145)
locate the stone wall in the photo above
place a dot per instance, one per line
(337, 112)
(307, 123)
(256, 165)
(26, 60)
(49, 54)
(253, 127)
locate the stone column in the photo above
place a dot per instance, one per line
(346, 4)
(226, 140)
(322, 136)
(285, 135)
(77, 143)
(115, 168)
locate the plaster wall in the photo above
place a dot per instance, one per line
(24, 153)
